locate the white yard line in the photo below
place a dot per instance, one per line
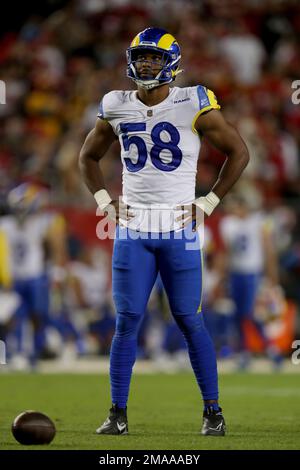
(101, 366)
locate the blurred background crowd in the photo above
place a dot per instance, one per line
(57, 60)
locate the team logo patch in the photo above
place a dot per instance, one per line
(182, 101)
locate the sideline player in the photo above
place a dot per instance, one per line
(250, 257)
(27, 228)
(158, 128)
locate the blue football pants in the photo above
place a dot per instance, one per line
(137, 259)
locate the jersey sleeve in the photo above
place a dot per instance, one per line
(101, 110)
(204, 100)
(109, 105)
(109, 108)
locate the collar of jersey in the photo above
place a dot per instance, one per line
(137, 100)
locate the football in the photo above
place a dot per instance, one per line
(33, 428)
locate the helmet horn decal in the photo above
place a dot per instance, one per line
(159, 41)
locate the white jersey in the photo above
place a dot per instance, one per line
(159, 151)
(243, 238)
(26, 244)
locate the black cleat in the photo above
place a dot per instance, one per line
(213, 422)
(116, 423)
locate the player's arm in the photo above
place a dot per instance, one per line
(56, 238)
(225, 138)
(271, 261)
(76, 287)
(93, 150)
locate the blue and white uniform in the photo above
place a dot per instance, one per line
(243, 238)
(159, 152)
(27, 259)
(29, 277)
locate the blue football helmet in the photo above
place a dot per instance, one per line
(26, 198)
(159, 41)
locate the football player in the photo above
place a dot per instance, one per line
(27, 228)
(248, 236)
(159, 128)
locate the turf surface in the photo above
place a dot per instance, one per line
(164, 411)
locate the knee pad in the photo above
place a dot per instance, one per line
(190, 323)
(127, 324)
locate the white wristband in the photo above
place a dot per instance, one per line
(102, 198)
(207, 203)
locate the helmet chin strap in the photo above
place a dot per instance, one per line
(147, 84)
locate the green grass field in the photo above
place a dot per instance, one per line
(164, 411)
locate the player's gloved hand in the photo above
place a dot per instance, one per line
(198, 210)
(114, 209)
(190, 213)
(117, 210)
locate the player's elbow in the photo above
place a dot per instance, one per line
(238, 149)
(85, 158)
(244, 157)
(82, 160)
(89, 150)
(241, 156)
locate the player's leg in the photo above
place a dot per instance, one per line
(134, 273)
(21, 317)
(39, 311)
(181, 272)
(238, 295)
(243, 288)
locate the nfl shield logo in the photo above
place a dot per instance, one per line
(150, 113)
